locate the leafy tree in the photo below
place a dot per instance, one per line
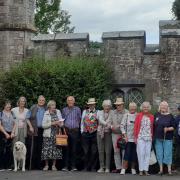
(81, 77)
(49, 17)
(176, 9)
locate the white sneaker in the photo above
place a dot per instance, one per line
(123, 172)
(133, 171)
(107, 171)
(101, 170)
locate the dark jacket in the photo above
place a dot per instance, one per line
(177, 120)
(33, 119)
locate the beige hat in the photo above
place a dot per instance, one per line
(91, 101)
(119, 101)
(106, 103)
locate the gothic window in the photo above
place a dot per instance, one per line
(135, 95)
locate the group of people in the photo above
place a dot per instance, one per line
(99, 132)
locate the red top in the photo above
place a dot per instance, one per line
(137, 124)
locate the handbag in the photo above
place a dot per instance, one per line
(121, 142)
(62, 139)
(153, 159)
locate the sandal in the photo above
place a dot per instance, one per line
(54, 168)
(45, 168)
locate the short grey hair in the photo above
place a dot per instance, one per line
(166, 104)
(145, 103)
(41, 96)
(50, 103)
(132, 104)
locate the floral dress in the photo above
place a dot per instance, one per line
(49, 149)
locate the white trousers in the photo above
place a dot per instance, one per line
(117, 157)
(143, 153)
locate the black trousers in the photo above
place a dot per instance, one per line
(89, 144)
(34, 144)
(70, 152)
(177, 155)
(6, 153)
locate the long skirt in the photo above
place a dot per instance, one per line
(49, 149)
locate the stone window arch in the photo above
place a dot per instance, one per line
(117, 93)
(135, 95)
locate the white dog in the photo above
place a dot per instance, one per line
(19, 153)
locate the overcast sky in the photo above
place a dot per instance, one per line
(97, 16)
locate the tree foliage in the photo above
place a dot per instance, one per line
(56, 79)
(49, 17)
(176, 9)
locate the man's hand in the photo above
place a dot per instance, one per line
(12, 135)
(31, 129)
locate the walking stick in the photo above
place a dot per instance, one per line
(31, 153)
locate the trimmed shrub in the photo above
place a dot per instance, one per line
(56, 79)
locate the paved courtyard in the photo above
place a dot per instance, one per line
(59, 175)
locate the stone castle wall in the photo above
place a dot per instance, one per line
(16, 29)
(154, 70)
(141, 71)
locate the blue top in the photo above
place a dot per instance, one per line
(72, 117)
(39, 116)
(162, 121)
(177, 119)
(7, 121)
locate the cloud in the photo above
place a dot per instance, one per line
(97, 16)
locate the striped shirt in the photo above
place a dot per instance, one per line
(72, 117)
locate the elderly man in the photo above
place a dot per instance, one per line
(72, 116)
(35, 139)
(117, 118)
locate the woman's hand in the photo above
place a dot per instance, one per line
(12, 135)
(56, 123)
(167, 129)
(7, 136)
(125, 137)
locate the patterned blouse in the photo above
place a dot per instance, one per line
(145, 130)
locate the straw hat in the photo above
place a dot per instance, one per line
(106, 103)
(119, 101)
(91, 101)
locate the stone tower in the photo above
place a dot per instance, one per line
(16, 29)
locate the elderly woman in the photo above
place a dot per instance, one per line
(117, 118)
(104, 138)
(127, 129)
(143, 132)
(89, 124)
(52, 122)
(164, 130)
(20, 113)
(7, 127)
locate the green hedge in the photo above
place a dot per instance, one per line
(81, 77)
